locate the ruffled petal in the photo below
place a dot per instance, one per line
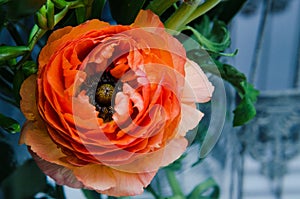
(153, 161)
(61, 175)
(129, 184)
(36, 136)
(122, 108)
(60, 37)
(197, 87)
(28, 98)
(173, 150)
(190, 118)
(147, 18)
(97, 177)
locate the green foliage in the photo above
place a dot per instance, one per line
(80, 15)
(245, 110)
(29, 68)
(24, 182)
(159, 6)
(9, 52)
(125, 11)
(213, 36)
(208, 189)
(9, 124)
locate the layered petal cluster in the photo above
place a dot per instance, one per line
(110, 105)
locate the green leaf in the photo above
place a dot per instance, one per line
(212, 35)
(25, 182)
(9, 124)
(29, 68)
(50, 14)
(17, 82)
(60, 4)
(80, 14)
(159, 6)
(125, 11)
(244, 112)
(9, 52)
(226, 71)
(249, 91)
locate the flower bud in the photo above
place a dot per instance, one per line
(50, 14)
(41, 18)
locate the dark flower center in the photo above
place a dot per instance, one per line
(101, 92)
(104, 94)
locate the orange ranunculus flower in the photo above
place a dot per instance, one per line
(110, 105)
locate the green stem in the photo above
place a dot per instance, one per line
(32, 42)
(88, 8)
(75, 4)
(160, 6)
(202, 9)
(187, 12)
(199, 190)
(177, 20)
(35, 38)
(60, 193)
(176, 189)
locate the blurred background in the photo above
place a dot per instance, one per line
(266, 163)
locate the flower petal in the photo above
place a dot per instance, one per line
(190, 118)
(129, 184)
(95, 176)
(28, 98)
(60, 174)
(36, 136)
(147, 18)
(197, 87)
(66, 34)
(151, 162)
